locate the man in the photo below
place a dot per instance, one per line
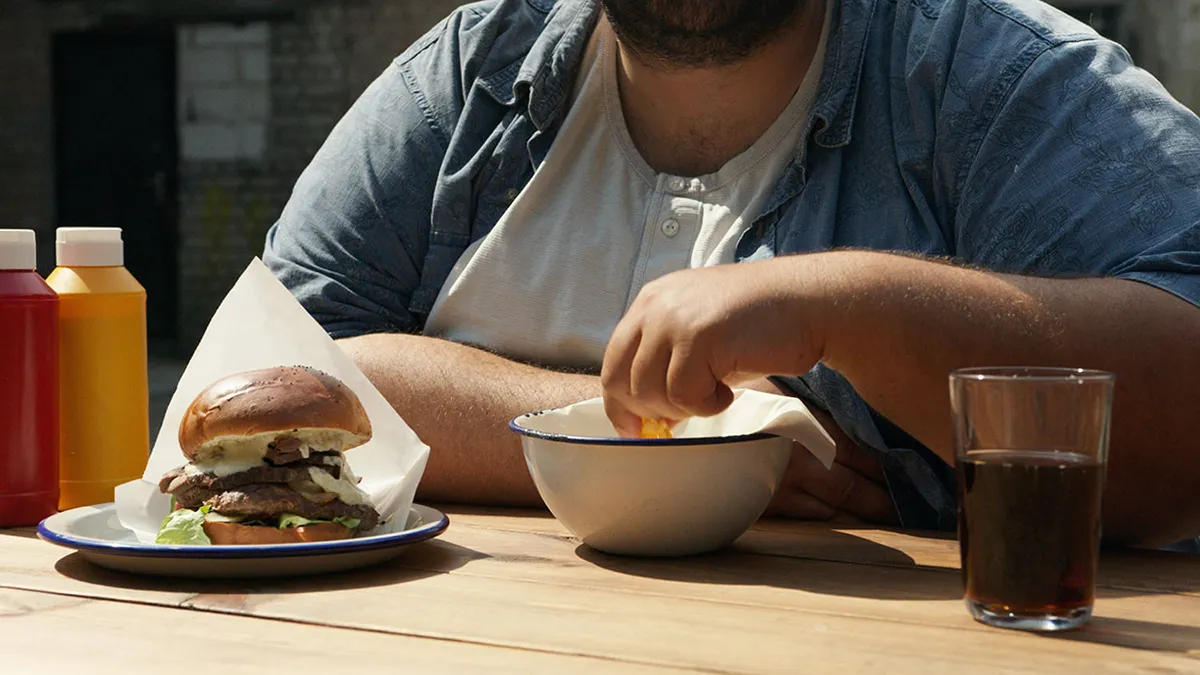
(477, 225)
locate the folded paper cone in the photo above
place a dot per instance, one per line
(260, 325)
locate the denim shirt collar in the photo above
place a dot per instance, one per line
(544, 77)
(837, 95)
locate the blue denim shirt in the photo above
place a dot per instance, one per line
(1000, 133)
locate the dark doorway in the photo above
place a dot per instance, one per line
(116, 151)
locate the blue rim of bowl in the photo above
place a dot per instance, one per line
(379, 541)
(653, 442)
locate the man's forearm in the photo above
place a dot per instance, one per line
(901, 325)
(459, 400)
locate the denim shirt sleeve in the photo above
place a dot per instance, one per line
(1089, 168)
(351, 240)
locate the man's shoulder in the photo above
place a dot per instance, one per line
(968, 57)
(983, 43)
(1031, 21)
(476, 39)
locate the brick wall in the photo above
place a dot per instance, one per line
(241, 149)
(26, 165)
(225, 192)
(27, 115)
(318, 65)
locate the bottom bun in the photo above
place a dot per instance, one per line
(226, 534)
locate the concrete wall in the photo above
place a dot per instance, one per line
(1166, 38)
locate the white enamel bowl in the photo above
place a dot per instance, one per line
(650, 497)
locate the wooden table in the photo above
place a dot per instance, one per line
(512, 592)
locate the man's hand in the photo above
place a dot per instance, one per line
(690, 335)
(896, 326)
(853, 490)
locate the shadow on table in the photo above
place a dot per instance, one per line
(1125, 572)
(1149, 635)
(424, 560)
(523, 513)
(891, 574)
(23, 533)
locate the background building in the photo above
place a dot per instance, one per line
(186, 122)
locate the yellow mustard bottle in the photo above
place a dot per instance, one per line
(104, 416)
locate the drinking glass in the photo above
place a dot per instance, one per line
(1031, 447)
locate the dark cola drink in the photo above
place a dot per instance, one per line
(1029, 529)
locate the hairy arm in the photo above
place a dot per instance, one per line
(896, 326)
(459, 400)
(900, 325)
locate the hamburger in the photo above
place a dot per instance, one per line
(266, 464)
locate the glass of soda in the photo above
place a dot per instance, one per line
(1031, 450)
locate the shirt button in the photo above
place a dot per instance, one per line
(670, 227)
(511, 194)
(677, 184)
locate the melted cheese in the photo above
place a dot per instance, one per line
(224, 467)
(343, 487)
(245, 448)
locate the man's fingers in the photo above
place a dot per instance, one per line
(850, 453)
(841, 487)
(692, 388)
(798, 505)
(627, 423)
(857, 459)
(614, 378)
(648, 378)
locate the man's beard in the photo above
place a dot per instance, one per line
(699, 33)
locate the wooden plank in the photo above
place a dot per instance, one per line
(29, 563)
(1155, 571)
(823, 632)
(45, 633)
(731, 611)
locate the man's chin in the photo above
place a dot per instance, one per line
(699, 33)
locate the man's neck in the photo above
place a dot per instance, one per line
(691, 121)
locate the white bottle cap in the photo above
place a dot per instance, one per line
(89, 247)
(18, 250)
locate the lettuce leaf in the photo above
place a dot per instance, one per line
(184, 528)
(287, 520)
(348, 522)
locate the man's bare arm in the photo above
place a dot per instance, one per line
(459, 400)
(919, 320)
(896, 326)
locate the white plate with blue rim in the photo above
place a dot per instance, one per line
(97, 534)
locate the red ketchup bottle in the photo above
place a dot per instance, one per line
(28, 385)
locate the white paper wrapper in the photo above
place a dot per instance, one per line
(260, 325)
(751, 412)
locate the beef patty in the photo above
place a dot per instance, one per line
(286, 450)
(192, 491)
(267, 500)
